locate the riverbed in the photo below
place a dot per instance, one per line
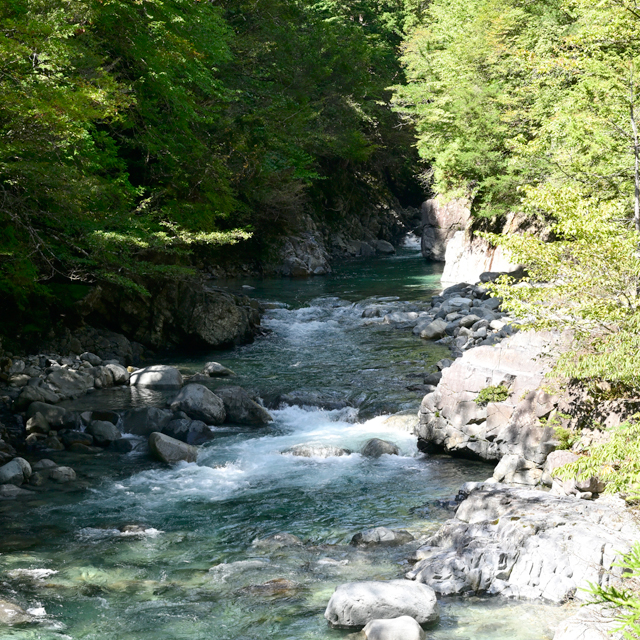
(147, 552)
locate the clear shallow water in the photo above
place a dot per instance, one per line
(195, 573)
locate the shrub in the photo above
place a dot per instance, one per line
(492, 394)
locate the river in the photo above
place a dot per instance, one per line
(191, 569)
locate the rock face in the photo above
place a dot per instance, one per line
(186, 312)
(171, 450)
(156, 376)
(381, 536)
(316, 451)
(450, 420)
(526, 543)
(241, 409)
(357, 603)
(376, 447)
(402, 628)
(304, 256)
(200, 403)
(440, 222)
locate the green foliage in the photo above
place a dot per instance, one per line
(616, 462)
(497, 393)
(625, 600)
(566, 438)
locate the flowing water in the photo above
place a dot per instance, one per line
(191, 569)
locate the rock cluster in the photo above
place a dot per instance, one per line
(526, 543)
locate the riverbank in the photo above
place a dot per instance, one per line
(136, 519)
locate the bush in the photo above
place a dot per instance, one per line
(492, 394)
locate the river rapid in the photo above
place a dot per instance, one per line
(189, 568)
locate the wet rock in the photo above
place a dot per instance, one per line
(171, 450)
(15, 472)
(103, 432)
(145, 420)
(62, 474)
(384, 247)
(11, 492)
(70, 436)
(109, 416)
(53, 443)
(119, 374)
(11, 614)
(434, 331)
(45, 463)
(241, 409)
(35, 394)
(402, 628)
(55, 416)
(355, 604)
(375, 447)
(216, 370)
(310, 399)
(277, 541)
(78, 447)
(381, 536)
(525, 543)
(156, 376)
(316, 451)
(38, 424)
(200, 403)
(275, 587)
(189, 431)
(121, 445)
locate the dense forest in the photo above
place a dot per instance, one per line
(133, 132)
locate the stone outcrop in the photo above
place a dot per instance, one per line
(304, 256)
(170, 450)
(440, 222)
(357, 603)
(526, 543)
(451, 421)
(188, 312)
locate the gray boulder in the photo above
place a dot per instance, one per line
(402, 628)
(376, 447)
(103, 432)
(45, 463)
(316, 451)
(55, 416)
(62, 474)
(216, 370)
(200, 403)
(38, 424)
(158, 376)
(145, 420)
(119, 374)
(69, 383)
(11, 614)
(555, 460)
(71, 437)
(384, 247)
(15, 472)
(434, 331)
(171, 450)
(189, 431)
(355, 604)
(91, 358)
(241, 409)
(381, 536)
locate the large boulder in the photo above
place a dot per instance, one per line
(103, 432)
(375, 447)
(384, 247)
(189, 431)
(156, 376)
(15, 472)
(171, 450)
(55, 416)
(440, 221)
(68, 383)
(216, 370)
(241, 409)
(402, 628)
(200, 403)
(381, 536)
(144, 421)
(316, 451)
(434, 331)
(357, 603)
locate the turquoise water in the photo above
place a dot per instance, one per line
(191, 569)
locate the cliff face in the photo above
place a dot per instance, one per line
(441, 221)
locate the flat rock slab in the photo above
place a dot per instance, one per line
(357, 603)
(526, 543)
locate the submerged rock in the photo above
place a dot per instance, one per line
(402, 628)
(316, 451)
(376, 447)
(157, 375)
(11, 614)
(200, 403)
(278, 540)
(171, 450)
(241, 409)
(381, 536)
(216, 370)
(357, 603)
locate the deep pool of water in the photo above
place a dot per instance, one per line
(195, 572)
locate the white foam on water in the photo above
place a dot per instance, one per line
(32, 574)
